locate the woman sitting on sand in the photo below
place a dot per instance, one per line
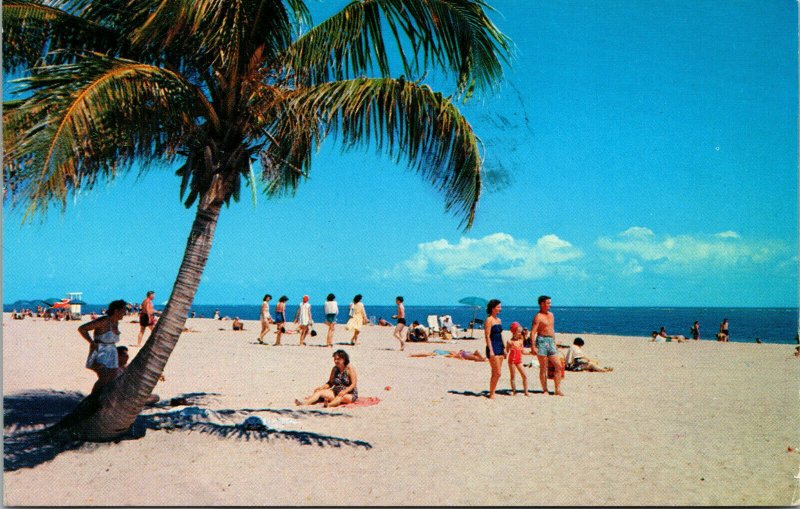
(102, 357)
(341, 386)
(237, 324)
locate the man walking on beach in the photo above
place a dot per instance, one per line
(401, 321)
(146, 316)
(543, 333)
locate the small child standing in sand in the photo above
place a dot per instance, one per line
(514, 348)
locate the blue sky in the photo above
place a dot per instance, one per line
(648, 153)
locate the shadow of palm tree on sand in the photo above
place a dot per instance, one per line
(28, 442)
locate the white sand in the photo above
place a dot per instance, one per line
(701, 423)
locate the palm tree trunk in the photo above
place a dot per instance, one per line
(122, 400)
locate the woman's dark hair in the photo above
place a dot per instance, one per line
(331, 297)
(491, 305)
(399, 298)
(578, 341)
(115, 305)
(267, 296)
(357, 299)
(342, 355)
(283, 298)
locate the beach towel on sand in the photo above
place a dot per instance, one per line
(363, 401)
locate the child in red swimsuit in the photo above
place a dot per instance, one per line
(514, 353)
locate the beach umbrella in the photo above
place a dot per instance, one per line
(51, 301)
(61, 304)
(21, 304)
(475, 302)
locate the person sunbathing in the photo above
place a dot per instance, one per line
(662, 337)
(454, 354)
(237, 324)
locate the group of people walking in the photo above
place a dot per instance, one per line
(305, 320)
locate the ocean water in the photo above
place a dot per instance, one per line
(771, 325)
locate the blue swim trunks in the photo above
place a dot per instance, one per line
(330, 318)
(546, 345)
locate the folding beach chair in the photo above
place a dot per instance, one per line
(433, 325)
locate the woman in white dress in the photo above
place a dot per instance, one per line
(103, 358)
(304, 319)
(358, 317)
(265, 318)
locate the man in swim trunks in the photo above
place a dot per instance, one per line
(146, 316)
(543, 333)
(401, 321)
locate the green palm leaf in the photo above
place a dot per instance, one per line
(455, 35)
(402, 119)
(88, 120)
(32, 27)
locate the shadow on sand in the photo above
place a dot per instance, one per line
(500, 392)
(27, 442)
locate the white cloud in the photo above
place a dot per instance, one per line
(637, 232)
(643, 250)
(498, 256)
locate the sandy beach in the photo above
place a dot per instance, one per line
(698, 423)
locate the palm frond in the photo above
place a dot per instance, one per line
(454, 35)
(31, 28)
(91, 119)
(222, 33)
(400, 118)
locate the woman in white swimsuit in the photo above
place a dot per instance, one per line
(103, 358)
(265, 317)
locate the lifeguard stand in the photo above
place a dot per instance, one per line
(75, 309)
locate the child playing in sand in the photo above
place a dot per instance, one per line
(514, 348)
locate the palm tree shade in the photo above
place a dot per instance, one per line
(235, 93)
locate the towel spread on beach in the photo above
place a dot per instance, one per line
(363, 401)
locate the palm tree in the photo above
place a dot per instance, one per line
(221, 87)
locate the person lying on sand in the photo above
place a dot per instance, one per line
(237, 324)
(341, 387)
(662, 337)
(454, 354)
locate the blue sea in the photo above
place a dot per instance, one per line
(771, 325)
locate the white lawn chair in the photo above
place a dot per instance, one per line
(433, 325)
